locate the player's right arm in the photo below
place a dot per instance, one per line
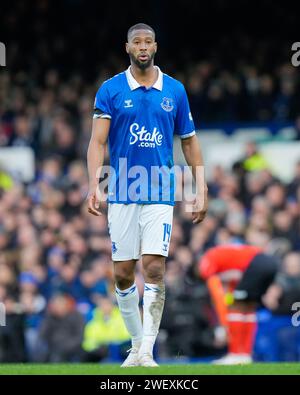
(95, 160)
(272, 296)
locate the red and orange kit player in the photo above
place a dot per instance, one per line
(246, 272)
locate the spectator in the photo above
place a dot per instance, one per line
(12, 340)
(106, 328)
(6, 181)
(61, 331)
(254, 160)
(286, 287)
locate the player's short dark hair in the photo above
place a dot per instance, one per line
(140, 26)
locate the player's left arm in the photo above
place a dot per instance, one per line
(208, 269)
(217, 294)
(193, 156)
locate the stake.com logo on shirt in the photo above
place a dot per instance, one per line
(146, 139)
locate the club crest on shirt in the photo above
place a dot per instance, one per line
(113, 247)
(167, 104)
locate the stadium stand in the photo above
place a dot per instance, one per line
(50, 246)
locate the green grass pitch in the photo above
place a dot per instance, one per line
(180, 369)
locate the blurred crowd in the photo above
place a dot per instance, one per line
(56, 271)
(53, 72)
(56, 279)
(54, 117)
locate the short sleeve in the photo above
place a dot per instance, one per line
(207, 267)
(102, 105)
(184, 124)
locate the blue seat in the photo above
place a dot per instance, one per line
(276, 338)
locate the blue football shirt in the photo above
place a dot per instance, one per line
(140, 141)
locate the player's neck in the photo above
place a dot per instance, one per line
(145, 77)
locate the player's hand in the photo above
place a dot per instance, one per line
(270, 302)
(93, 203)
(200, 206)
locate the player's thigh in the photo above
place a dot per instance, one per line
(123, 225)
(243, 306)
(156, 229)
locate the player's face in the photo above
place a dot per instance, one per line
(141, 48)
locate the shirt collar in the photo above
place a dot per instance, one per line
(133, 84)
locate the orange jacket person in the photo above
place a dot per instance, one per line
(247, 272)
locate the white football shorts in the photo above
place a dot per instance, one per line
(138, 229)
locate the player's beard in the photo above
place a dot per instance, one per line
(140, 64)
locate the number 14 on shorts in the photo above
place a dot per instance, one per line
(167, 235)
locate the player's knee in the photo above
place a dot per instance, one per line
(124, 278)
(154, 272)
